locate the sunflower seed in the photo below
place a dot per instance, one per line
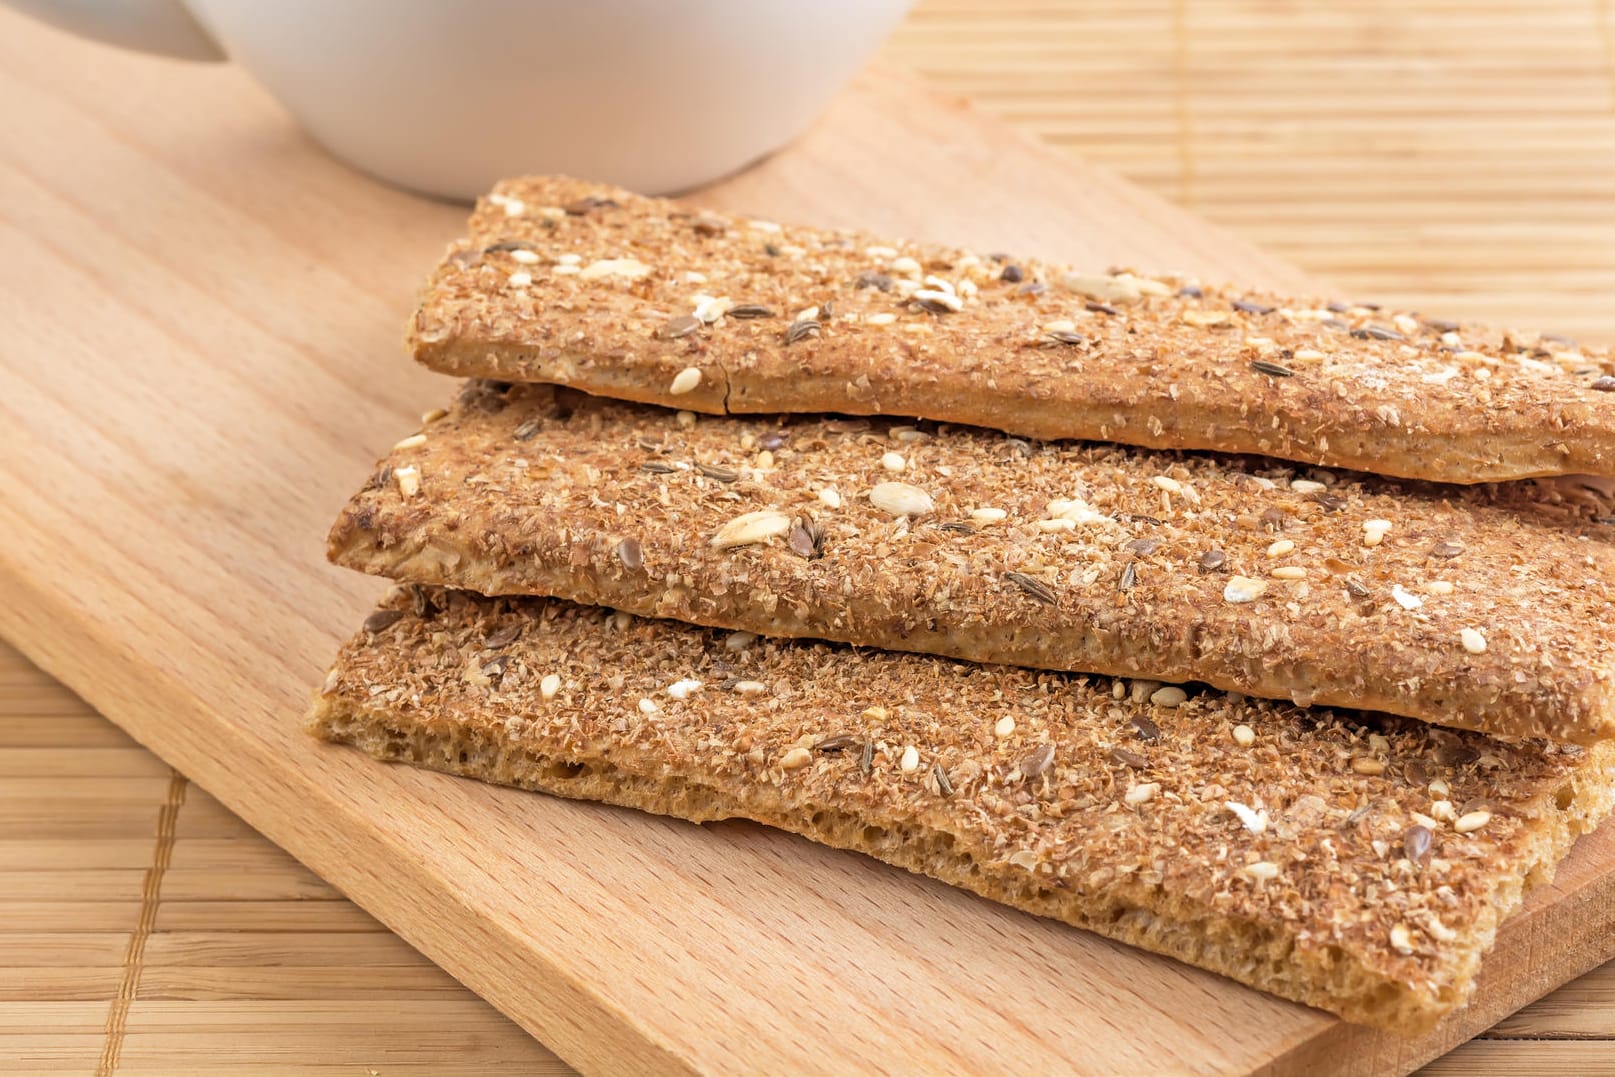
(835, 744)
(750, 310)
(381, 620)
(944, 786)
(1377, 332)
(706, 225)
(1100, 308)
(798, 330)
(1034, 587)
(1452, 754)
(1356, 588)
(630, 554)
(682, 326)
(1262, 366)
(1248, 307)
(1038, 761)
(494, 668)
(1604, 384)
(1066, 336)
(1014, 274)
(866, 762)
(1192, 291)
(1144, 546)
(656, 467)
(419, 599)
(1416, 842)
(750, 528)
(1212, 560)
(584, 206)
(719, 474)
(526, 431)
(509, 245)
(1129, 577)
(503, 637)
(878, 281)
(806, 539)
(1129, 759)
(901, 499)
(1146, 729)
(1447, 548)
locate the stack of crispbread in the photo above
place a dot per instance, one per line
(1312, 728)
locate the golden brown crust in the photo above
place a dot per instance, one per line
(615, 294)
(1106, 560)
(1355, 862)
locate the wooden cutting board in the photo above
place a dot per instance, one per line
(200, 359)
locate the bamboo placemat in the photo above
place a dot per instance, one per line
(1456, 156)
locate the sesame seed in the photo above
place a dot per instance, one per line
(884, 317)
(1280, 548)
(1442, 809)
(829, 497)
(549, 686)
(1472, 639)
(1252, 820)
(1289, 572)
(709, 309)
(987, 515)
(750, 688)
(1468, 824)
(1244, 736)
(901, 499)
(764, 226)
(796, 759)
(1060, 524)
(1406, 599)
(1170, 696)
(1167, 483)
(1402, 939)
(905, 264)
(684, 689)
(569, 259)
(523, 257)
(685, 381)
(939, 283)
(430, 417)
(648, 706)
(519, 279)
(1262, 870)
(1439, 587)
(1004, 727)
(893, 461)
(1141, 793)
(937, 301)
(1367, 765)
(621, 268)
(685, 419)
(1308, 355)
(1243, 589)
(411, 442)
(910, 761)
(409, 480)
(739, 641)
(881, 252)
(514, 207)
(565, 269)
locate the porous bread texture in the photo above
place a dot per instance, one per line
(1359, 863)
(1475, 607)
(644, 299)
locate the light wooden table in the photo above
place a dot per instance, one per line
(1457, 156)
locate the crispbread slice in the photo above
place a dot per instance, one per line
(1354, 862)
(642, 299)
(1472, 607)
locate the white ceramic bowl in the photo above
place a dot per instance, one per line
(446, 97)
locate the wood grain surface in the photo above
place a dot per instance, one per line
(201, 360)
